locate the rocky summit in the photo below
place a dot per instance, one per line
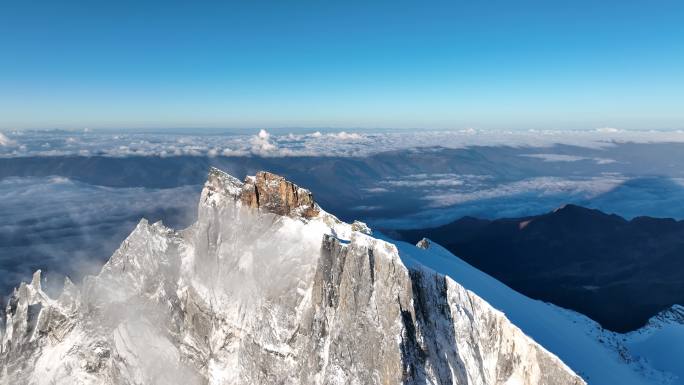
(265, 288)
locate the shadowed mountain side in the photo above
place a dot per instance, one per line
(618, 272)
(655, 196)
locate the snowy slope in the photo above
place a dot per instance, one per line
(265, 287)
(660, 344)
(652, 355)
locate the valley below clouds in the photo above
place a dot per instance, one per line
(68, 199)
(65, 227)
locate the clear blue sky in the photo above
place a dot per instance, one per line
(432, 64)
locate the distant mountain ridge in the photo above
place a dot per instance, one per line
(618, 272)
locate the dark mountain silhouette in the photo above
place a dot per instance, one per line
(618, 272)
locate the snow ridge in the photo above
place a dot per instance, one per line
(650, 355)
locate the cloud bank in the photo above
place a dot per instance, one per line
(317, 143)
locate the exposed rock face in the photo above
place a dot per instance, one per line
(265, 191)
(276, 195)
(361, 227)
(264, 288)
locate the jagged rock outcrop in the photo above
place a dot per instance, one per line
(264, 288)
(274, 194)
(423, 244)
(361, 227)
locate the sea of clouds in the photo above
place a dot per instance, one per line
(68, 224)
(619, 194)
(263, 143)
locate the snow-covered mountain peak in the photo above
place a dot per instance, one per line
(265, 287)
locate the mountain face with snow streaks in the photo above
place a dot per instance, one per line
(265, 287)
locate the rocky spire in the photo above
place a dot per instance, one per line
(265, 191)
(275, 194)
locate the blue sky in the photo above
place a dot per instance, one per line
(424, 64)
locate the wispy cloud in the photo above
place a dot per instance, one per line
(5, 141)
(434, 181)
(67, 227)
(608, 130)
(540, 187)
(568, 158)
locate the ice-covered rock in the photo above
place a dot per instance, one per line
(361, 227)
(423, 244)
(264, 288)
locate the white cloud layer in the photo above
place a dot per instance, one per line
(433, 181)
(538, 187)
(315, 143)
(5, 141)
(568, 158)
